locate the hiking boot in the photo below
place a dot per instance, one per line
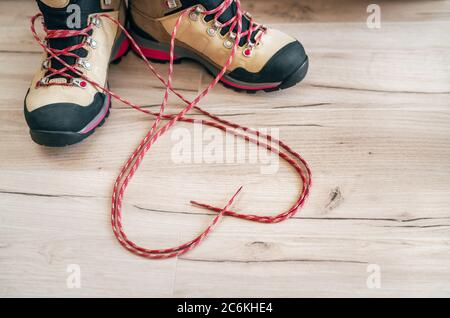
(60, 107)
(266, 59)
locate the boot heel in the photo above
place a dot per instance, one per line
(120, 50)
(154, 51)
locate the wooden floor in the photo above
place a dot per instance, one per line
(372, 118)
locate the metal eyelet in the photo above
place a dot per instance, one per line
(97, 22)
(46, 64)
(171, 4)
(213, 29)
(91, 42)
(195, 14)
(44, 81)
(229, 43)
(78, 82)
(85, 64)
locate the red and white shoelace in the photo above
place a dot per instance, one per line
(68, 52)
(132, 164)
(253, 28)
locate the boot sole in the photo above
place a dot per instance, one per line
(159, 53)
(66, 138)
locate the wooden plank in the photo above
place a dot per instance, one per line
(38, 244)
(16, 35)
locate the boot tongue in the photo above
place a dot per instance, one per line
(227, 15)
(60, 15)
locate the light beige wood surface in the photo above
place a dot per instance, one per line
(372, 118)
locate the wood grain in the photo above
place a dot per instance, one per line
(372, 118)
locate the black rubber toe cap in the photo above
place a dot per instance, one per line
(284, 63)
(64, 117)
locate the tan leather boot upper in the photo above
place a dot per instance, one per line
(204, 40)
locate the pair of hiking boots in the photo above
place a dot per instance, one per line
(61, 108)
